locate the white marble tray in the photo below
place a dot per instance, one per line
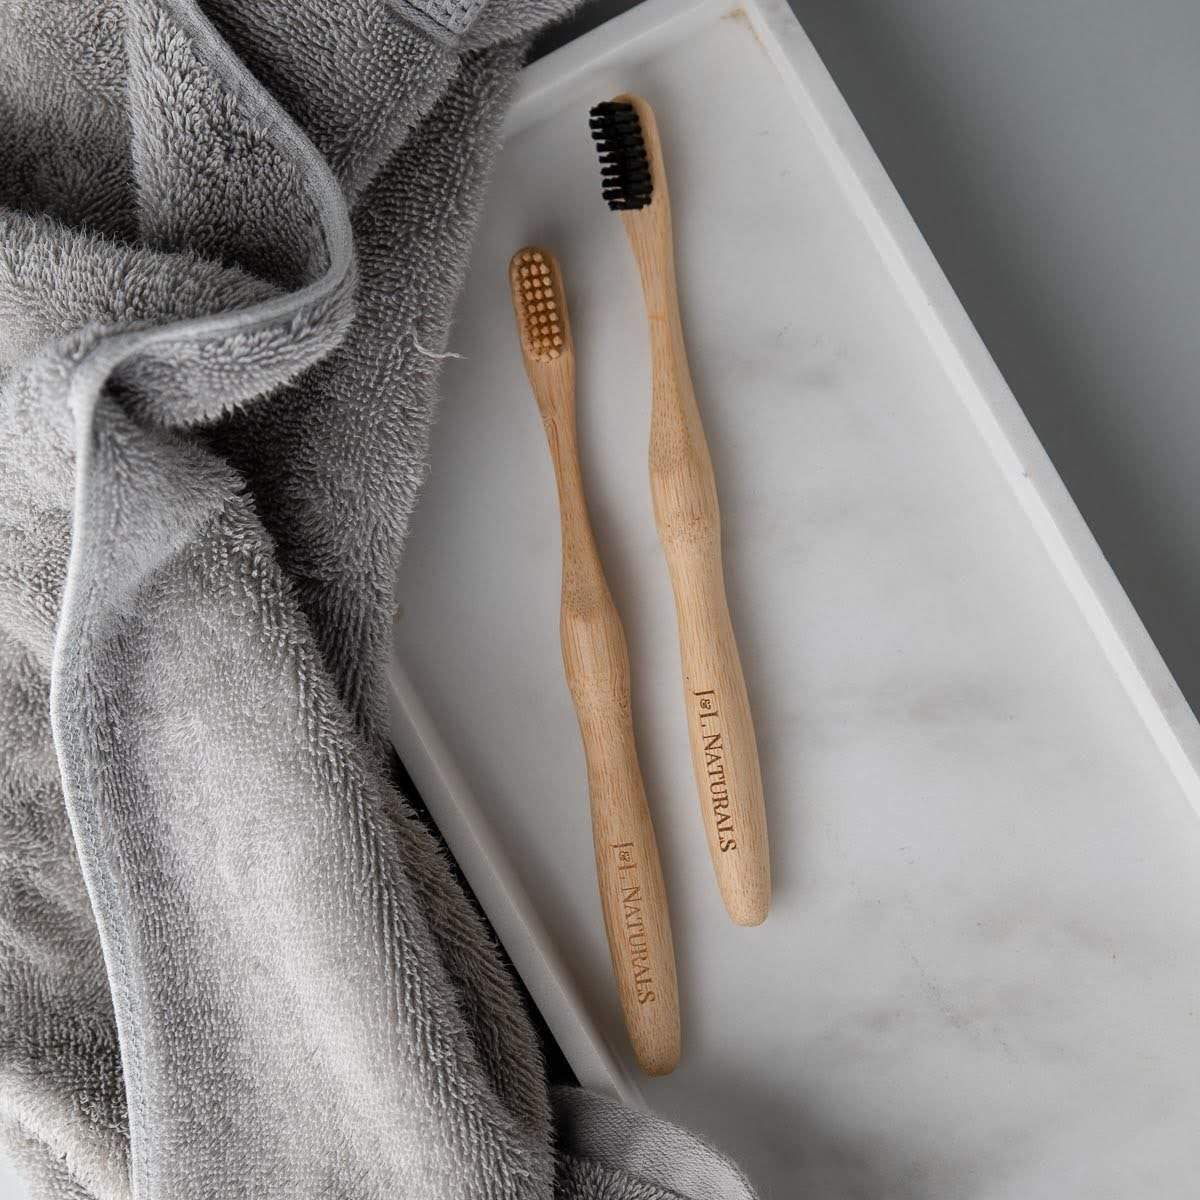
(980, 975)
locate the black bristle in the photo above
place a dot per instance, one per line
(624, 168)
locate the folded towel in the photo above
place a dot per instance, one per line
(232, 961)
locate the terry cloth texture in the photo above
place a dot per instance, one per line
(232, 961)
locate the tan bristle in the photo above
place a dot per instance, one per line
(538, 307)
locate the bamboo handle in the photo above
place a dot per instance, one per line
(596, 662)
(720, 728)
(632, 894)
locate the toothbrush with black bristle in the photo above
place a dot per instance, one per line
(721, 731)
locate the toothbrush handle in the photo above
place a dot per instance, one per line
(721, 733)
(720, 728)
(632, 894)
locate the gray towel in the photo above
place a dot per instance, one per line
(232, 961)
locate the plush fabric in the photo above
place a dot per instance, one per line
(232, 961)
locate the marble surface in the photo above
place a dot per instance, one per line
(980, 977)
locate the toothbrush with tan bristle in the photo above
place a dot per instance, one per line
(721, 731)
(596, 661)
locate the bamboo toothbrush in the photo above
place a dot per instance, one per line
(721, 732)
(596, 662)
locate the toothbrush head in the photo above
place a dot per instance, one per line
(539, 303)
(627, 180)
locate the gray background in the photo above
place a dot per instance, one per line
(1050, 152)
